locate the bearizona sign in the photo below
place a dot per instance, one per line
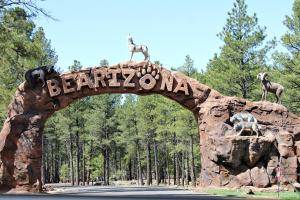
(129, 77)
(94, 78)
(226, 159)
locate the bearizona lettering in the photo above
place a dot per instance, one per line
(111, 77)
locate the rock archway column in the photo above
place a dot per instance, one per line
(21, 140)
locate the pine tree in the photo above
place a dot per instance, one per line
(188, 67)
(289, 64)
(22, 46)
(128, 134)
(104, 63)
(233, 72)
(147, 113)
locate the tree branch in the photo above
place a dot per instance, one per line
(29, 5)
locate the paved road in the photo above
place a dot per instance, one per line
(118, 193)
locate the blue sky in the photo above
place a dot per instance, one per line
(91, 30)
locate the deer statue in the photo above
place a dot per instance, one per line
(268, 86)
(133, 48)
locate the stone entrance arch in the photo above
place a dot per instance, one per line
(227, 159)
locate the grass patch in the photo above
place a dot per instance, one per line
(241, 193)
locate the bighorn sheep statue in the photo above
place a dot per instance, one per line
(244, 121)
(268, 86)
(133, 48)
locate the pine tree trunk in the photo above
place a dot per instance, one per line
(182, 168)
(129, 170)
(156, 164)
(107, 165)
(120, 161)
(187, 175)
(164, 167)
(104, 167)
(106, 158)
(77, 158)
(140, 174)
(137, 171)
(177, 169)
(148, 154)
(174, 169)
(183, 171)
(167, 164)
(192, 163)
(133, 169)
(115, 160)
(57, 161)
(84, 163)
(47, 166)
(48, 162)
(71, 160)
(90, 161)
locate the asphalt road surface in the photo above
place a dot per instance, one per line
(118, 193)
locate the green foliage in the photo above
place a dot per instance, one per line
(120, 174)
(146, 112)
(127, 117)
(58, 123)
(96, 167)
(104, 63)
(157, 62)
(243, 55)
(22, 46)
(64, 172)
(188, 67)
(241, 194)
(289, 64)
(100, 120)
(76, 66)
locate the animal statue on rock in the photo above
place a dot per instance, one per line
(133, 48)
(268, 86)
(36, 75)
(245, 121)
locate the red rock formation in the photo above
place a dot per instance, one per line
(226, 160)
(235, 161)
